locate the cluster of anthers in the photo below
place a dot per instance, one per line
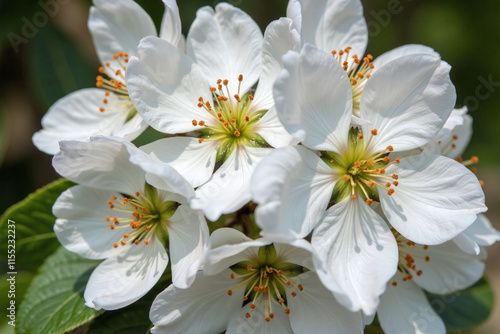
(406, 266)
(232, 117)
(266, 282)
(364, 171)
(358, 72)
(116, 86)
(141, 220)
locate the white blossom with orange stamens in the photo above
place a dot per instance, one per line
(440, 269)
(116, 29)
(328, 184)
(116, 215)
(208, 93)
(253, 286)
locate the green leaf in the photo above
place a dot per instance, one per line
(148, 136)
(466, 309)
(13, 292)
(34, 221)
(132, 319)
(373, 329)
(54, 302)
(57, 68)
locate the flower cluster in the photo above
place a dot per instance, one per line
(354, 162)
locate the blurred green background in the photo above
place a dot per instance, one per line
(40, 65)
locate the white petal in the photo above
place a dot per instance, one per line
(171, 29)
(298, 251)
(357, 254)
(437, 198)
(449, 269)
(404, 50)
(203, 308)
(334, 25)
(405, 309)
(467, 244)
(102, 163)
(228, 189)
(314, 99)
(280, 324)
(407, 101)
(292, 187)
(227, 236)
(188, 242)
(294, 12)
(459, 124)
(121, 280)
(118, 27)
(193, 160)
(279, 38)
(271, 129)
(164, 84)
(315, 310)
(226, 255)
(81, 226)
(226, 43)
(76, 117)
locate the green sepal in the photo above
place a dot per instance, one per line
(291, 269)
(267, 254)
(241, 268)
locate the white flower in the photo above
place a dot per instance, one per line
(207, 93)
(440, 269)
(116, 215)
(116, 28)
(429, 198)
(339, 27)
(253, 286)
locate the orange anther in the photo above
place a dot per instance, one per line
(369, 201)
(374, 132)
(194, 122)
(115, 245)
(200, 140)
(346, 177)
(240, 77)
(475, 159)
(146, 242)
(390, 148)
(390, 192)
(229, 292)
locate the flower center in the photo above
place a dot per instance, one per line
(230, 120)
(148, 216)
(363, 172)
(112, 79)
(358, 72)
(408, 252)
(266, 278)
